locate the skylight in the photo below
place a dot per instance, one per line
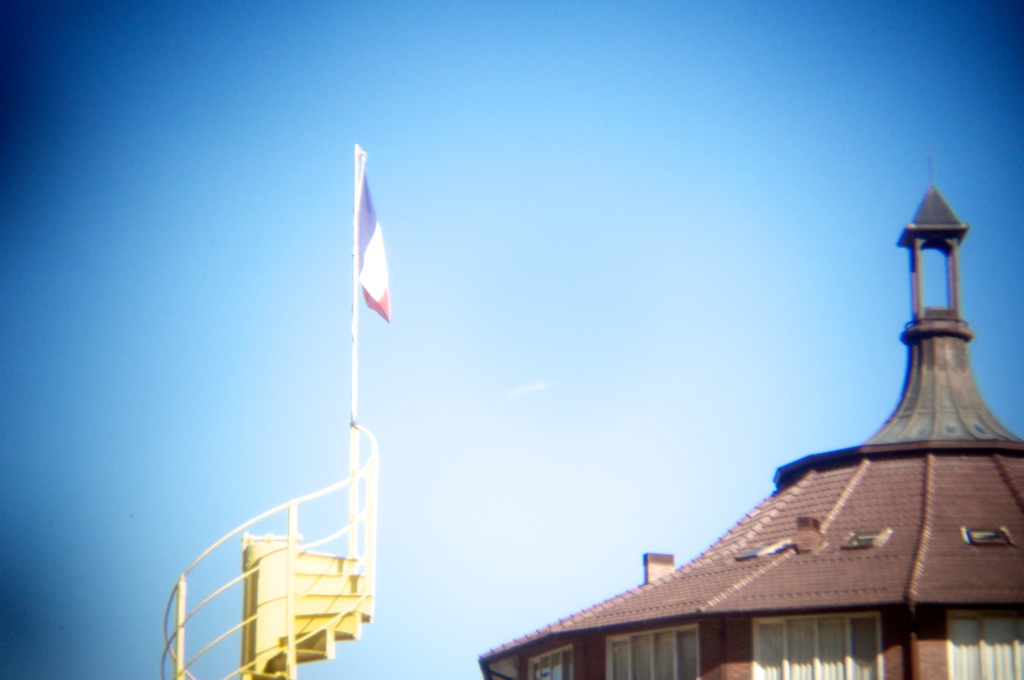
(986, 536)
(762, 550)
(859, 540)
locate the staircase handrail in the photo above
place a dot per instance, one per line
(259, 518)
(366, 558)
(228, 536)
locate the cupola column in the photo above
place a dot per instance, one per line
(936, 229)
(953, 277)
(916, 283)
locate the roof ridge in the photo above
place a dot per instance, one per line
(781, 501)
(787, 497)
(926, 528)
(586, 612)
(743, 583)
(706, 556)
(840, 503)
(689, 566)
(1004, 474)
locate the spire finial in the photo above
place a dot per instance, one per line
(931, 168)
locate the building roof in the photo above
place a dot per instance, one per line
(919, 506)
(936, 494)
(934, 220)
(941, 400)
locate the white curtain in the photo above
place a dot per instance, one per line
(864, 637)
(800, 648)
(665, 656)
(620, 660)
(818, 648)
(686, 650)
(1020, 646)
(770, 640)
(965, 634)
(999, 634)
(832, 648)
(987, 647)
(642, 653)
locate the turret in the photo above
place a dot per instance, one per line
(940, 400)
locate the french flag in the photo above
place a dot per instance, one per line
(373, 267)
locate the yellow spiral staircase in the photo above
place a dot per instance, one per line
(297, 600)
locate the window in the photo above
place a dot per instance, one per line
(556, 665)
(841, 647)
(762, 550)
(866, 539)
(659, 655)
(987, 536)
(986, 645)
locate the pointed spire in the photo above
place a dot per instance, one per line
(934, 210)
(941, 401)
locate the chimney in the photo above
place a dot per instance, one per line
(808, 534)
(657, 565)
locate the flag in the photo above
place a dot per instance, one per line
(373, 267)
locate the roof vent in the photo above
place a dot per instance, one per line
(986, 536)
(657, 565)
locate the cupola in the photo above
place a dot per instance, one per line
(940, 400)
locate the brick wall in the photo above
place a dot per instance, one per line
(711, 641)
(593, 657)
(930, 656)
(739, 648)
(896, 643)
(726, 646)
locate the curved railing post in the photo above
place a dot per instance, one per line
(370, 523)
(293, 540)
(353, 488)
(366, 513)
(362, 552)
(179, 631)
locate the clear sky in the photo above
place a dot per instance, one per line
(641, 255)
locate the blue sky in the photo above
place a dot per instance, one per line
(641, 255)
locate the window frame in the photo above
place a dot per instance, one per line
(765, 550)
(610, 640)
(866, 540)
(1016, 614)
(537, 660)
(759, 672)
(986, 536)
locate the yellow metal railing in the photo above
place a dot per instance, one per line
(362, 492)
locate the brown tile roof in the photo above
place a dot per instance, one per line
(924, 499)
(942, 463)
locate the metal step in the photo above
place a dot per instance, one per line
(347, 626)
(329, 584)
(318, 646)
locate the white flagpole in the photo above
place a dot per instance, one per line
(353, 433)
